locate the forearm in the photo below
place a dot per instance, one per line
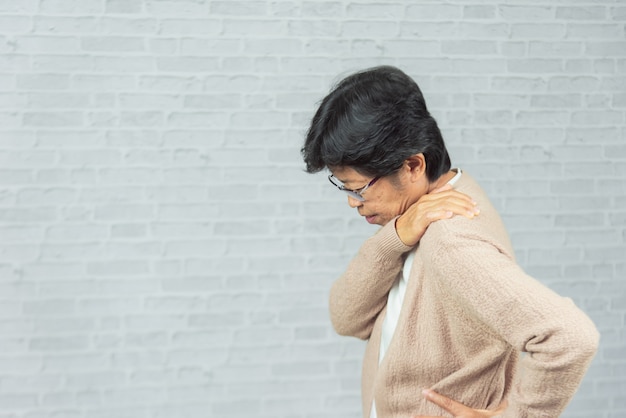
(358, 296)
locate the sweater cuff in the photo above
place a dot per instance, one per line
(389, 242)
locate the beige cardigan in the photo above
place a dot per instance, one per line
(469, 310)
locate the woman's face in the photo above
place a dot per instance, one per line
(387, 198)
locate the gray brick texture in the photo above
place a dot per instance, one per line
(164, 255)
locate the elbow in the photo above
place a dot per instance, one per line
(566, 346)
(347, 323)
(584, 341)
(341, 328)
(589, 337)
(589, 342)
(361, 334)
(582, 336)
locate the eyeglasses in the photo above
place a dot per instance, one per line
(355, 193)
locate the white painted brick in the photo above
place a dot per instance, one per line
(15, 401)
(534, 65)
(272, 46)
(27, 6)
(229, 265)
(112, 44)
(47, 44)
(316, 9)
(213, 338)
(13, 62)
(170, 83)
(51, 307)
(10, 119)
(525, 13)
(555, 49)
(196, 119)
(378, 10)
(245, 8)
(27, 159)
(121, 6)
(590, 31)
(535, 30)
(125, 212)
(606, 118)
(213, 101)
(94, 82)
(62, 63)
(183, 8)
(117, 268)
(61, 24)
(313, 28)
(468, 47)
(126, 396)
(58, 344)
(544, 118)
(253, 28)
(53, 119)
(192, 283)
(383, 29)
(128, 64)
(202, 27)
(76, 232)
(483, 31)
(15, 24)
(207, 358)
(479, 11)
(71, 6)
(581, 13)
(7, 82)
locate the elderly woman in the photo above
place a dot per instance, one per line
(436, 292)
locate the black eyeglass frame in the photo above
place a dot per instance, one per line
(354, 193)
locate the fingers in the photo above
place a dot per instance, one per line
(446, 194)
(438, 215)
(457, 409)
(459, 205)
(454, 407)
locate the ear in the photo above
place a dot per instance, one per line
(416, 165)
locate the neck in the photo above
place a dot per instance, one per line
(441, 181)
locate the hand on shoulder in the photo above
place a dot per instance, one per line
(442, 203)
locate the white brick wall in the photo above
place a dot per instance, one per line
(162, 253)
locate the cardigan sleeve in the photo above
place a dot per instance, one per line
(558, 338)
(360, 294)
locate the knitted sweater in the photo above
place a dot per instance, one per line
(469, 310)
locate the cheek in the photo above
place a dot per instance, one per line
(393, 203)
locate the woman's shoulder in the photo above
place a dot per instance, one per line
(486, 227)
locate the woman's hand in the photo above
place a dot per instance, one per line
(458, 410)
(442, 203)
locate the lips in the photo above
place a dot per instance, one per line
(370, 219)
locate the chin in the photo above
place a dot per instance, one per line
(382, 222)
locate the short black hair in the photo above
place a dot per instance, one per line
(373, 121)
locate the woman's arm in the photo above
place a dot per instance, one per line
(360, 294)
(559, 339)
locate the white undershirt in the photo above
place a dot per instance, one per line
(395, 299)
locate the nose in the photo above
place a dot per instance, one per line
(354, 203)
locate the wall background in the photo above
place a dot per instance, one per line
(162, 253)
